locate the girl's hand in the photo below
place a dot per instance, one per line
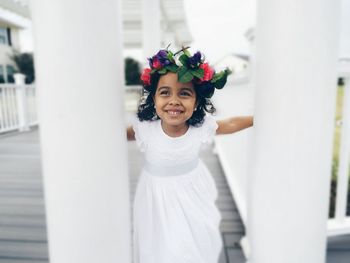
(130, 134)
(234, 124)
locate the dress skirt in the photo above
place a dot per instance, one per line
(175, 218)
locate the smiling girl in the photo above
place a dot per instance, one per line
(175, 219)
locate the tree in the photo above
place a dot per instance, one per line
(132, 72)
(25, 65)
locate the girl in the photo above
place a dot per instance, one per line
(175, 218)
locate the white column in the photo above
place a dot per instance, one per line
(22, 103)
(80, 76)
(296, 54)
(150, 27)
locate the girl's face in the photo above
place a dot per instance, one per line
(174, 101)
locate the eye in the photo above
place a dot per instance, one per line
(185, 93)
(164, 92)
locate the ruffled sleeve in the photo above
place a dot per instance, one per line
(208, 129)
(140, 129)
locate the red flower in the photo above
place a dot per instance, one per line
(208, 72)
(146, 76)
(156, 63)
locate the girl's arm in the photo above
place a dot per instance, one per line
(130, 134)
(234, 124)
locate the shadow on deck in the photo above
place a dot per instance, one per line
(22, 215)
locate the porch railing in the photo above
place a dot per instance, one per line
(235, 151)
(17, 107)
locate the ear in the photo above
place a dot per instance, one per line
(196, 104)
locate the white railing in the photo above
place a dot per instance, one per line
(234, 152)
(17, 107)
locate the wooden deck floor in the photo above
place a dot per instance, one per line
(22, 214)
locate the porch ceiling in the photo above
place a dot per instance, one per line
(173, 20)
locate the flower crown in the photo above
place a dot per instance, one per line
(188, 67)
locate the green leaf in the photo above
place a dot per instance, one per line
(220, 83)
(162, 71)
(183, 59)
(187, 53)
(184, 75)
(170, 56)
(182, 70)
(199, 72)
(217, 76)
(219, 80)
(227, 71)
(172, 68)
(153, 70)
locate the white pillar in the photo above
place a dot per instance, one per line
(150, 27)
(80, 76)
(22, 103)
(294, 122)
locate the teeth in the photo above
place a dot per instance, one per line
(174, 112)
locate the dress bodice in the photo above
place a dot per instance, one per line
(160, 148)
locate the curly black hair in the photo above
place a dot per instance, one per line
(147, 112)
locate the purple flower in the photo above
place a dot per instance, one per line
(195, 59)
(162, 54)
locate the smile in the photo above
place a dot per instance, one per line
(173, 112)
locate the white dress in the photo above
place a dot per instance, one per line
(175, 218)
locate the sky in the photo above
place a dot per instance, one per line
(218, 27)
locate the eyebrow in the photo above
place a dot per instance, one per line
(183, 88)
(188, 89)
(164, 87)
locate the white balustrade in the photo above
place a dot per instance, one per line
(17, 107)
(235, 151)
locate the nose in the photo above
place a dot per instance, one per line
(174, 100)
